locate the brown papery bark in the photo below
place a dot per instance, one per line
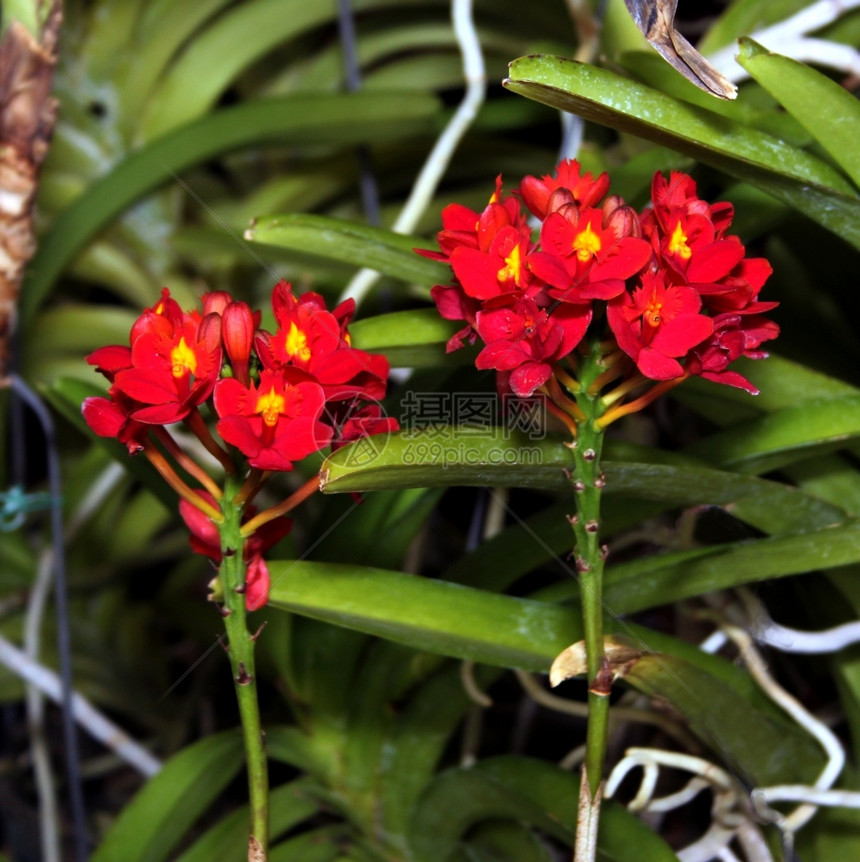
(27, 114)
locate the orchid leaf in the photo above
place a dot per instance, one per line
(669, 577)
(323, 844)
(651, 70)
(500, 458)
(242, 35)
(503, 841)
(791, 175)
(288, 744)
(826, 110)
(784, 436)
(770, 749)
(445, 455)
(391, 253)
(465, 623)
(301, 119)
(395, 605)
(417, 741)
(743, 17)
(149, 828)
(413, 339)
(495, 629)
(162, 29)
(782, 384)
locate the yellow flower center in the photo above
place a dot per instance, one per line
(587, 244)
(513, 267)
(296, 344)
(678, 243)
(270, 406)
(182, 359)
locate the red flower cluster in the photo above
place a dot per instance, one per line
(277, 397)
(680, 295)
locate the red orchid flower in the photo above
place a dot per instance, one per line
(525, 339)
(658, 323)
(174, 367)
(274, 422)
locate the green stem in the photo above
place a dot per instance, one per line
(241, 651)
(587, 480)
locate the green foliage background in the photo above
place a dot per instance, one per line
(183, 120)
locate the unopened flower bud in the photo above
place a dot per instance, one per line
(620, 219)
(209, 331)
(570, 212)
(558, 199)
(237, 330)
(215, 302)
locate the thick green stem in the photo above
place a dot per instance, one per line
(588, 481)
(241, 644)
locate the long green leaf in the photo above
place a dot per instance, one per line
(411, 339)
(827, 110)
(164, 26)
(245, 33)
(149, 828)
(784, 436)
(418, 739)
(769, 754)
(503, 630)
(791, 175)
(451, 456)
(744, 16)
(503, 841)
(666, 578)
(319, 845)
(320, 118)
(464, 623)
(376, 248)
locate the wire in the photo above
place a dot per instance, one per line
(76, 795)
(349, 45)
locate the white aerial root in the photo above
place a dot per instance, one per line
(91, 719)
(730, 813)
(443, 150)
(786, 639)
(733, 813)
(789, 37)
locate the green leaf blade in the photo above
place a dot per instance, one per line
(149, 828)
(376, 248)
(791, 175)
(826, 110)
(300, 119)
